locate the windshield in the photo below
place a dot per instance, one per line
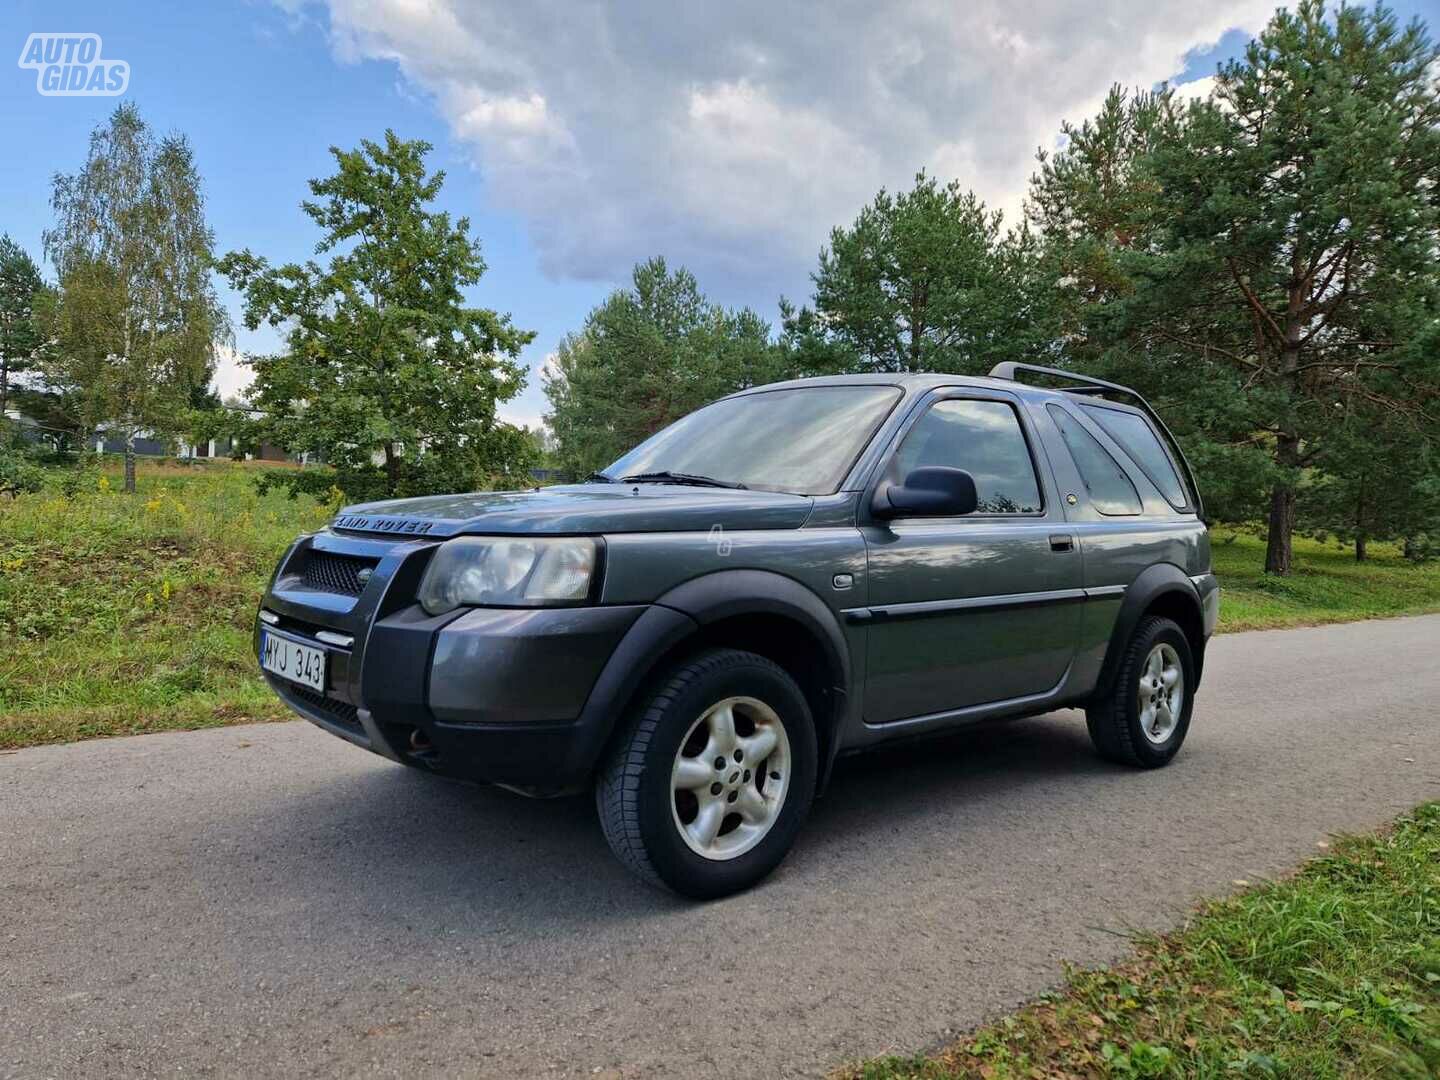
(801, 441)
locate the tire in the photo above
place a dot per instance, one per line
(663, 772)
(1130, 725)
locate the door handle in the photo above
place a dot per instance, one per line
(1061, 542)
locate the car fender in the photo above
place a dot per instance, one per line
(1153, 582)
(728, 593)
(686, 610)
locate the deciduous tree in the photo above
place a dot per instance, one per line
(385, 357)
(19, 335)
(134, 319)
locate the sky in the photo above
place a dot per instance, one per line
(581, 138)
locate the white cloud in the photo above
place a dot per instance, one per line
(231, 378)
(515, 412)
(549, 368)
(1196, 88)
(477, 116)
(731, 137)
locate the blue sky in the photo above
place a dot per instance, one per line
(581, 140)
(261, 99)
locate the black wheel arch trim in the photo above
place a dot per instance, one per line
(654, 634)
(1154, 582)
(686, 610)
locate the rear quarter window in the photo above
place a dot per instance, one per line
(1110, 490)
(1138, 439)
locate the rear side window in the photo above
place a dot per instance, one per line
(984, 439)
(1139, 440)
(1111, 491)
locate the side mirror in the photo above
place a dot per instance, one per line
(932, 491)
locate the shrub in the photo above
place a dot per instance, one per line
(20, 473)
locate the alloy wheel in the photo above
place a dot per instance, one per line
(730, 776)
(1162, 693)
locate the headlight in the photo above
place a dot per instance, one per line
(474, 571)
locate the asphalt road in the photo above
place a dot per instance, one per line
(268, 900)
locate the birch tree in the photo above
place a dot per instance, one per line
(135, 317)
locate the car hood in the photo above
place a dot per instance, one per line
(579, 508)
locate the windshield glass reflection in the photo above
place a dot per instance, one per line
(801, 441)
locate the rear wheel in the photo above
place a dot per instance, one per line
(1144, 718)
(707, 788)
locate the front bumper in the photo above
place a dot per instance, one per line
(487, 694)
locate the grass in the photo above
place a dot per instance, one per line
(1334, 972)
(130, 614)
(1326, 586)
(126, 614)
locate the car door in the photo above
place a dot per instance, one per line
(976, 609)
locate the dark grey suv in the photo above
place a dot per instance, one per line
(792, 573)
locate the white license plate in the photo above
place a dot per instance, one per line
(293, 660)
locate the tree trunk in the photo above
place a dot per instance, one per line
(1282, 524)
(392, 469)
(917, 329)
(1278, 546)
(4, 387)
(130, 463)
(1360, 519)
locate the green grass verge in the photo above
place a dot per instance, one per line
(1334, 972)
(1326, 586)
(125, 614)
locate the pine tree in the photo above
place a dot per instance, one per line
(1270, 254)
(645, 357)
(926, 280)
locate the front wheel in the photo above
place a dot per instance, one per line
(1145, 716)
(708, 786)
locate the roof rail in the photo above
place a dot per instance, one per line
(1091, 386)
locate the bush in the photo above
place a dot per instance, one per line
(19, 476)
(322, 483)
(432, 474)
(20, 469)
(80, 476)
(1421, 548)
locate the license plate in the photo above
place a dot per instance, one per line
(293, 660)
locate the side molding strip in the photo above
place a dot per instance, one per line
(924, 608)
(1100, 592)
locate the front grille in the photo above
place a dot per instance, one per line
(325, 571)
(340, 712)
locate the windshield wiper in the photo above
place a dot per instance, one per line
(667, 477)
(600, 478)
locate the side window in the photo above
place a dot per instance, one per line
(984, 439)
(1110, 489)
(1139, 440)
